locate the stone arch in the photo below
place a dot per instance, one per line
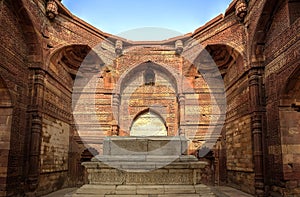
(131, 84)
(221, 54)
(292, 83)
(294, 7)
(6, 113)
(159, 121)
(220, 65)
(73, 56)
(173, 76)
(261, 30)
(32, 39)
(74, 65)
(289, 125)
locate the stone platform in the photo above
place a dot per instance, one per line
(144, 191)
(138, 166)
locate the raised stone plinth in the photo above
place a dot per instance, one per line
(125, 172)
(137, 164)
(144, 191)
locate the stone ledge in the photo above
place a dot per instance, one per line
(144, 190)
(166, 145)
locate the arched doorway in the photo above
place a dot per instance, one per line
(148, 123)
(289, 124)
(5, 131)
(147, 86)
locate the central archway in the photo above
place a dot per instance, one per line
(148, 123)
(147, 86)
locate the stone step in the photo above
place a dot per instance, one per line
(143, 191)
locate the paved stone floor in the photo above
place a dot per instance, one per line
(220, 191)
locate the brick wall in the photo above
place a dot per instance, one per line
(13, 71)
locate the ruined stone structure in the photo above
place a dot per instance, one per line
(65, 86)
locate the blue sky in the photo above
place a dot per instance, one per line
(119, 16)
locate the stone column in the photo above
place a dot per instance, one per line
(36, 129)
(116, 108)
(181, 102)
(257, 112)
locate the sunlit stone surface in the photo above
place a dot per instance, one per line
(148, 124)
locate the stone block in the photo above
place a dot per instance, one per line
(126, 189)
(138, 165)
(125, 146)
(178, 195)
(96, 190)
(150, 189)
(130, 195)
(165, 146)
(179, 189)
(145, 145)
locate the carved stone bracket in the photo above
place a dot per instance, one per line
(241, 9)
(178, 47)
(119, 47)
(51, 9)
(115, 129)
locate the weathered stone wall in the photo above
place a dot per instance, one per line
(137, 97)
(239, 148)
(54, 154)
(282, 63)
(41, 145)
(14, 100)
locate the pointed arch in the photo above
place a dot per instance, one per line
(32, 39)
(148, 122)
(262, 28)
(126, 77)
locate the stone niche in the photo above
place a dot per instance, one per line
(144, 162)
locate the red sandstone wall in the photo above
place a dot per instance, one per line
(14, 81)
(282, 60)
(60, 161)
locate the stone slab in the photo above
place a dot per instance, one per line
(96, 189)
(150, 189)
(126, 189)
(167, 145)
(179, 189)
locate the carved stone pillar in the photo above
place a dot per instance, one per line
(257, 112)
(181, 102)
(116, 108)
(36, 129)
(34, 159)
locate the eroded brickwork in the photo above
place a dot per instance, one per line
(44, 139)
